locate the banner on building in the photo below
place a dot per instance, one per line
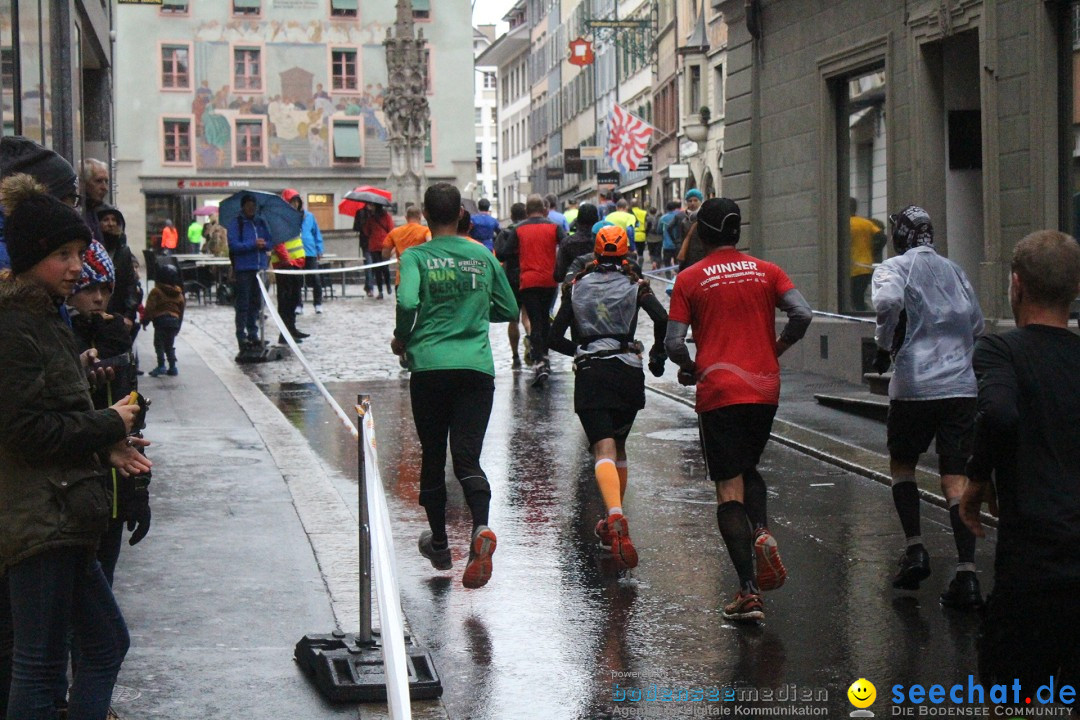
(628, 139)
(572, 162)
(591, 152)
(607, 178)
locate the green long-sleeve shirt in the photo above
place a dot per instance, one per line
(451, 288)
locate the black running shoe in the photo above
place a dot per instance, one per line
(914, 568)
(440, 558)
(963, 592)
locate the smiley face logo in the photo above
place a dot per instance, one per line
(862, 693)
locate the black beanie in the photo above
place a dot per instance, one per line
(37, 223)
(22, 155)
(719, 221)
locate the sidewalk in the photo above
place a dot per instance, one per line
(252, 546)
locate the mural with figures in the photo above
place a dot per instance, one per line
(304, 85)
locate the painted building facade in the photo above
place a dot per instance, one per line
(270, 94)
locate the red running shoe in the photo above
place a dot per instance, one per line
(621, 548)
(603, 534)
(478, 569)
(770, 570)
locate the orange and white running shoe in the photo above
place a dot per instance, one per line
(478, 570)
(770, 570)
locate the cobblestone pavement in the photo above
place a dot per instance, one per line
(350, 340)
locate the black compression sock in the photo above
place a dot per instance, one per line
(735, 529)
(905, 495)
(754, 497)
(965, 539)
(478, 498)
(436, 518)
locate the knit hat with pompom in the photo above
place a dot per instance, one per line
(36, 223)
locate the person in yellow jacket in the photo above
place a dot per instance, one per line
(626, 220)
(289, 255)
(639, 224)
(867, 239)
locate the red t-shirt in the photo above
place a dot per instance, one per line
(729, 300)
(538, 244)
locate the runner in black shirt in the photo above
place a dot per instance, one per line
(1027, 436)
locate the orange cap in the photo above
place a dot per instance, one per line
(611, 241)
(288, 194)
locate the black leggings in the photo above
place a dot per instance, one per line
(537, 302)
(454, 403)
(382, 277)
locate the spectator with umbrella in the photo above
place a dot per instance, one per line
(249, 239)
(372, 225)
(255, 221)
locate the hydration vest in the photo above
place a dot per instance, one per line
(605, 306)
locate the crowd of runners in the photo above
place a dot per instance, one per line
(1010, 431)
(1004, 409)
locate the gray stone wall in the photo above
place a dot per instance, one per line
(780, 145)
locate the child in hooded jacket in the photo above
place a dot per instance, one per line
(165, 309)
(109, 336)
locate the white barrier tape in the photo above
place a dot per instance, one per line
(382, 543)
(822, 313)
(385, 576)
(654, 276)
(321, 271)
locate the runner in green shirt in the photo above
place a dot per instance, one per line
(451, 289)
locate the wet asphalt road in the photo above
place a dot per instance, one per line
(556, 629)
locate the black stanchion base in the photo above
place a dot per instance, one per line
(259, 355)
(346, 670)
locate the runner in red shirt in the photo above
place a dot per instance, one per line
(533, 245)
(729, 299)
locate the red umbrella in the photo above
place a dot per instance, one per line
(355, 200)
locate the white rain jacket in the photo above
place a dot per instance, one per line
(943, 320)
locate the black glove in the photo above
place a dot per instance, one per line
(139, 526)
(688, 377)
(882, 361)
(133, 505)
(657, 358)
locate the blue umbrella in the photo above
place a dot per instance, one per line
(281, 217)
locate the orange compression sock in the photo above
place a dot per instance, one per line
(607, 479)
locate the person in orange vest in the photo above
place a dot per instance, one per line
(289, 255)
(169, 238)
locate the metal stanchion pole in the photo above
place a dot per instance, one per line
(350, 668)
(363, 402)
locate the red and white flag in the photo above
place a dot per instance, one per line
(628, 139)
